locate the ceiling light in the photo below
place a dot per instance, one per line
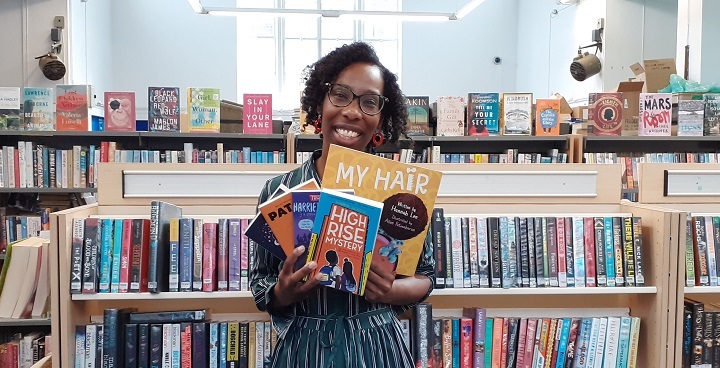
(262, 11)
(197, 7)
(470, 6)
(400, 16)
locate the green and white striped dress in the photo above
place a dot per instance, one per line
(331, 328)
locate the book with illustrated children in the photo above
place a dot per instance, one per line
(408, 195)
(343, 239)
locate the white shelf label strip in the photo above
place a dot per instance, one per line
(194, 184)
(688, 183)
(548, 184)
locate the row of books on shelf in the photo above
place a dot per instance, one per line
(17, 227)
(519, 251)
(477, 340)
(183, 338)
(117, 255)
(68, 107)
(433, 155)
(701, 334)
(25, 279)
(25, 350)
(702, 250)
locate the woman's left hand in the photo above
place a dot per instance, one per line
(379, 285)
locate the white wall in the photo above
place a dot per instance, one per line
(547, 45)
(25, 27)
(91, 32)
(454, 58)
(710, 72)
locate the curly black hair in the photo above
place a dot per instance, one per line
(394, 113)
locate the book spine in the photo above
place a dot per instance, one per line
(465, 251)
(106, 255)
(244, 344)
(421, 342)
(513, 261)
(222, 255)
(561, 251)
(209, 257)
(175, 345)
(522, 235)
(628, 256)
(540, 251)
(131, 346)
(552, 251)
(634, 342)
(579, 251)
(449, 263)
(186, 253)
(197, 278)
(234, 255)
(168, 317)
(447, 342)
(638, 251)
(156, 346)
(200, 345)
(245, 257)
(618, 246)
(233, 356)
(143, 351)
(569, 252)
(438, 234)
(689, 253)
(76, 267)
(609, 251)
(125, 256)
(213, 345)
(483, 252)
(116, 256)
(494, 247)
(90, 271)
(473, 245)
(155, 256)
(222, 351)
(174, 263)
(466, 345)
(457, 253)
(600, 265)
(186, 345)
(112, 343)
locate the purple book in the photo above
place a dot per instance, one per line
(478, 316)
(304, 204)
(234, 242)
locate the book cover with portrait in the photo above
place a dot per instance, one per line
(119, 111)
(343, 239)
(408, 194)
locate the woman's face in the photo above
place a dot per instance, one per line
(349, 126)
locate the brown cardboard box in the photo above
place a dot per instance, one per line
(631, 106)
(656, 73)
(231, 116)
(580, 112)
(564, 105)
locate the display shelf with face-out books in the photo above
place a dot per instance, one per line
(558, 190)
(693, 189)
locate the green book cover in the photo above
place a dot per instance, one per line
(204, 109)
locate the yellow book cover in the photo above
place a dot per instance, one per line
(408, 194)
(278, 215)
(547, 117)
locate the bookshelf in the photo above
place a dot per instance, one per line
(492, 196)
(693, 189)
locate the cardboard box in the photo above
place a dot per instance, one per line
(580, 112)
(564, 105)
(655, 73)
(631, 106)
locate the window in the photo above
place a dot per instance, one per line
(274, 51)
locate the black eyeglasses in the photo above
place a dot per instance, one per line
(341, 96)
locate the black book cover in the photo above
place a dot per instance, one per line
(91, 242)
(540, 253)
(131, 345)
(494, 247)
(199, 315)
(513, 325)
(156, 346)
(522, 235)
(114, 321)
(143, 347)
(637, 243)
(200, 342)
(438, 234)
(158, 273)
(532, 273)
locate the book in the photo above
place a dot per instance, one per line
(164, 109)
(119, 111)
(257, 113)
(344, 233)
(418, 108)
(690, 117)
(39, 109)
(204, 109)
(10, 113)
(72, 108)
(450, 116)
(277, 212)
(483, 114)
(159, 252)
(516, 113)
(304, 208)
(407, 191)
(605, 113)
(547, 119)
(712, 114)
(655, 114)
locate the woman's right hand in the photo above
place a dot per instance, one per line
(290, 287)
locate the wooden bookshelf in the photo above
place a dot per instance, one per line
(496, 192)
(16, 322)
(693, 190)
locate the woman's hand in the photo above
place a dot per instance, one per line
(290, 287)
(379, 285)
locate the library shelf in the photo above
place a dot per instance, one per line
(22, 322)
(549, 291)
(693, 290)
(165, 295)
(48, 190)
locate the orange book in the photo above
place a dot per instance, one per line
(547, 117)
(278, 215)
(497, 338)
(408, 194)
(72, 107)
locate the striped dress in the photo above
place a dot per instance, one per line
(331, 328)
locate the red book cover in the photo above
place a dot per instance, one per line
(532, 324)
(466, 343)
(140, 246)
(145, 249)
(562, 258)
(16, 167)
(186, 345)
(119, 111)
(589, 234)
(125, 256)
(521, 342)
(257, 113)
(209, 257)
(504, 341)
(104, 148)
(72, 107)
(606, 114)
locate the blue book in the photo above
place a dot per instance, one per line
(106, 255)
(562, 345)
(214, 346)
(343, 239)
(186, 254)
(246, 153)
(259, 231)
(609, 251)
(116, 254)
(623, 353)
(80, 347)
(46, 167)
(222, 361)
(234, 248)
(582, 343)
(456, 343)
(483, 114)
(23, 227)
(304, 204)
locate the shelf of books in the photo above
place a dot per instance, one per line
(693, 189)
(577, 252)
(461, 149)
(557, 278)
